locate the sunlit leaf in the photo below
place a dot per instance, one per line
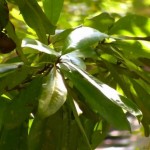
(99, 99)
(110, 93)
(82, 38)
(133, 49)
(37, 45)
(53, 95)
(8, 67)
(100, 22)
(71, 57)
(131, 25)
(53, 9)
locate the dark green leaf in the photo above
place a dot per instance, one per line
(14, 78)
(100, 22)
(4, 14)
(4, 102)
(142, 99)
(129, 105)
(46, 134)
(22, 105)
(15, 139)
(60, 37)
(110, 93)
(98, 98)
(53, 9)
(36, 19)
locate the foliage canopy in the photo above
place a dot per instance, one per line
(63, 89)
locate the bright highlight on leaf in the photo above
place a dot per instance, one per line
(8, 67)
(53, 95)
(82, 38)
(109, 92)
(38, 46)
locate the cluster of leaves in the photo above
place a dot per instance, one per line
(64, 90)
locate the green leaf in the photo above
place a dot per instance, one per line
(53, 95)
(99, 99)
(4, 14)
(4, 102)
(131, 25)
(115, 97)
(46, 133)
(82, 38)
(15, 78)
(100, 22)
(36, 19)
(53, 9)
(8, 67)
(142, 99)
(129, 106)
(14, 139)
(83, 53)
(22, 105)
(75, 113)
(37, 45)
(133, 49)
(100, 132)
(71, 57)
(59, 39)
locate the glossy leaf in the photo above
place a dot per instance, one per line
(22, 105)
(53, 9)
(115, 97)
(72, 57)
(32, 12)
(100, 22)
(99, 100)
(53, 95)
(8, 67)
(37, 45)
(82, 38)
